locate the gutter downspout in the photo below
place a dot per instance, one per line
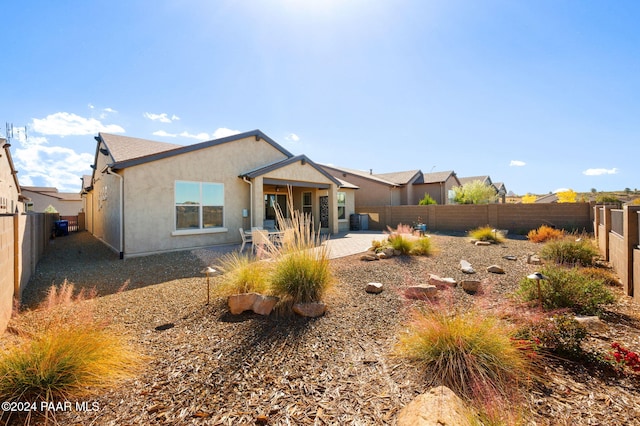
(244, 178)
(121, 199)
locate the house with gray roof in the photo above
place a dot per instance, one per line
(149, 197)
(396, 188)
(40, 198)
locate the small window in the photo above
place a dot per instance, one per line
(342, 205)
(306, 203)
(199, 205)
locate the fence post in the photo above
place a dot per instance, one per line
(630, 234)
(16, 256)
(607, 228)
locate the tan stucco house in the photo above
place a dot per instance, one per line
(147, 197)
(65, 203)
(397, 188)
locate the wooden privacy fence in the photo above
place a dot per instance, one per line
(517, 218)
(618, 235)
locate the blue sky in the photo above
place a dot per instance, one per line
(538, 94)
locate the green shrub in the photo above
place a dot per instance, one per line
(302, 276)
(569, 252)
(607, 199)
(401, 242)
(561, 334)
(567, 288)
(471, 353)
(242, 274)
(544, 233)
(486, 233)
(423, 246)
(427, 200)
(600, 274)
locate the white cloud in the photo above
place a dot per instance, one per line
(199, 136)
(69, 124)
(163, 118)
(224, 132)
(55, 166)
(517, 163)
(164, 134)
(293, 137)
(599, 172)
(110, 110)
(561, 190)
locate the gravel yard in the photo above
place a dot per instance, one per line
(209, 367)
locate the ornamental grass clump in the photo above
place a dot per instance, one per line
(242, 274)
(566, 288)
(486, 233)
(301, 272)
(545, 233)
(62, 353)
(472, 353)
(423, 246)
(570, 252)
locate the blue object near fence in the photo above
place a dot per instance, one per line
(61, 227)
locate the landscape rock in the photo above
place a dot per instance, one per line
(389, 252)
(496, 269)
(441, 282)
(470, 286)
(591, 323)
(368, 257)
(483, 243)
(533, 259)
(238, 303)
(374, 288)
(310, 310)
(421, 292)
(263, 305)
(510, 257)
(397, 252)
(466, 267)
(381, 255)
(438, 407)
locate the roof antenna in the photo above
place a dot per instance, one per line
(432, 169)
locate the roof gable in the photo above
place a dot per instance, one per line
(124, 148)
(400, 178)
(342, 171)
(303, 159)
(437, 177)
(173, 150)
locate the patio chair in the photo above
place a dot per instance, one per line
(246, 238)
(261, 241)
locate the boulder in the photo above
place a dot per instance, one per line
(381, 255)
(437, 407)
(397, 252)
(374, 288)
(470, 286)
(533, 259)
(421, 292)
(310, 310)
(441, 282)
(263, 305)
(466, 267)
(238, 303)
(510, 257)
(389, 252)
(496, 269)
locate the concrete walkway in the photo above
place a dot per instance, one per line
(352, 242)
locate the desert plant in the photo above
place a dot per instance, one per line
(607, 199)
(568, 196)
(427, 200)
(566, 288)
(570, 252)
(423, 246)
(472, 353)
(560, 334)
(301, 270)
(486, 233)
(545, 233)
(475, 192)
(242, 274)
(62, 353)
(601, 274)
(401, 242)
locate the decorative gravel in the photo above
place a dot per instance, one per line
(209, 367)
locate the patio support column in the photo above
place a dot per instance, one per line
(333, 209)
(257, 215)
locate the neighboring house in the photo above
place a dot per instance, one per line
(11, 200)
(398, 188)
(147, 197)
(548, 198)
(65, 203)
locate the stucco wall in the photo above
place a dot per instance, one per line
(636, 275)
(6, 266)
(42, 201)
(617, 255)
(149, 194)
(371, 193)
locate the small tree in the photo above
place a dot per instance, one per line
(426, 200)
(568, 196)
(529, 199)
(50, 209)
(476, 192)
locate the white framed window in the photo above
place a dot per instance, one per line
(199, 205)
(342, 205)
(306, 203)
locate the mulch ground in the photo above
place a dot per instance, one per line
(209, 367)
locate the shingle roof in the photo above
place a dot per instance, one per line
(483, 179)
(436, 177)
(359, 173)
(399, 178)
(123, 148)
(53, 193)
